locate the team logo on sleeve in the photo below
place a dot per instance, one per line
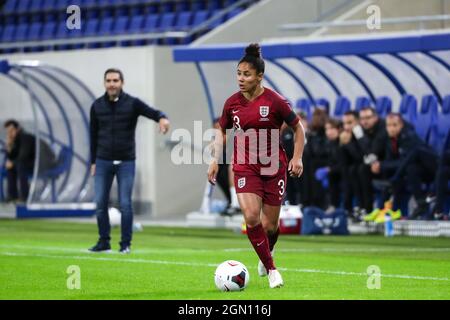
(264, 111)
(241, 183)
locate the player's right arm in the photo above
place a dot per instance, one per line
(218, 144)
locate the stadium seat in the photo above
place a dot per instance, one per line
(10, 6)
(136, 24)
(408, 108)
(105, 27)
(304, 105)
(9, 33)
(198, 5)
(341, 107)
(383, 106)
(234, 13)
(182, 6)
(21, 32)
(151, 23)
(49, 4)
(167, 21)
(91, 28)
(120, 25)
(23, 6)
(362, 102)
(322, 103)
(200, 17)
(35, 31)
(183, 21)
(48, 30)
(427, 116)
(36, 5)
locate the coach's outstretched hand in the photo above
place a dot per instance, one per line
(164, 125)
(212, 171)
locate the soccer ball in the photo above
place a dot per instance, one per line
(231, 275)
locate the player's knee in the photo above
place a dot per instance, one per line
(251, 217)
(270, 226)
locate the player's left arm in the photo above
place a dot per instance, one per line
(295, 167)
(154, 114)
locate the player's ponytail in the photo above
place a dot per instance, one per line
(253, 57)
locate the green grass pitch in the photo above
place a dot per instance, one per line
(179, 263)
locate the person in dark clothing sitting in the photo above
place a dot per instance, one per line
(21, 155)
(314, 157)
(441, 184)
(409, 162)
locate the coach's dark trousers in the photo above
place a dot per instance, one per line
(104, 175)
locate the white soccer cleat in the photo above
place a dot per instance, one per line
(262, 272)
(275, 279)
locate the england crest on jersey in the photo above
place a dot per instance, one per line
(264, 111)
(241, 183)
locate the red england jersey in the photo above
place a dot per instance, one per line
(257, 126)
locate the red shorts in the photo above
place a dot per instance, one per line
(270, 188)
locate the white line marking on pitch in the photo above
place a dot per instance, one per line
(193, 264)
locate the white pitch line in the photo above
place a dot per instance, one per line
(193, 264)
(287, 250)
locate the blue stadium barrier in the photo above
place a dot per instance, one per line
(322, 103)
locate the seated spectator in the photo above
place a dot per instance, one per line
(441, 184)
(314, 157)
(409, 162)
(21, 154)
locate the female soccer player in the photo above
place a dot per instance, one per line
(259, 162)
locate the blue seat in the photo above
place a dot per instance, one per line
(342, 106)
(198, 5)
(304, 105)
(136, 24)
(362, 102)
(383, 106)
(48, 30)
(408, 108)
(184, 20)
(21, 32)
(167, 21)
(217, 21)
(105, 27)
(120, 25)
(427, 116)
(35, 31)
(23, 6)
(36, 5)
(49, 4)
(322, 103)
(91, 28)
(10, 6)
(200, 17)
(234, 13)
(9, 33)
(63, 164)
(214, 4)
(182, 6)
(151, 23)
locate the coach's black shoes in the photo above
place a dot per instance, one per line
(124, 249)
(101, 246)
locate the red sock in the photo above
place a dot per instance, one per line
(260, 242)
(273, 237)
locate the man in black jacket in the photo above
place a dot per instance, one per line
(113, 120)
(409, 162)
(21, 155)
(372, 145)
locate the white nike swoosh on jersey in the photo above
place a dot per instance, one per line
(235, 111)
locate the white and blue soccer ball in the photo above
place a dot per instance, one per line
(231, 275)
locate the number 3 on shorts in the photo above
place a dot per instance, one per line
(281, 185)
